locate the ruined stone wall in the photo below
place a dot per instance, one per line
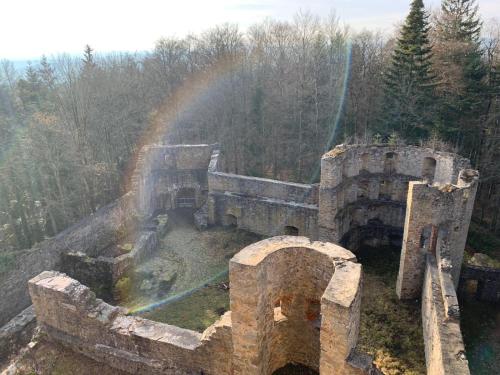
(366, 185)
(279, 287)
(160, 170)
(444, 348)
(69, 313)
(88, 236)
(102, 272)
(488, 282)
(283, 295)
(437, 221)
(263, 206)
(17, 333)
(164, 171)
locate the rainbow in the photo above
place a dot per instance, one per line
(198, 85)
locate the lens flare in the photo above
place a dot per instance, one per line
(335, 125)
(198, 86)
(194, 88)
(176, 297)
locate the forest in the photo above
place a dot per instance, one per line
(275, 96)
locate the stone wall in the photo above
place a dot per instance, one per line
(361, 184)
(437, 221)
(279, 288)
(102, 272)
(88, 236)
(263, 206)
(69, 313)
(444, 348)
(17, 333)
(166, 173)
(283, 295)
(488, 282)
(383, 191)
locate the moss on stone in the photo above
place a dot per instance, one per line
(126, 247)
(483, 260)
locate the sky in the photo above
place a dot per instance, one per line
(31, 28)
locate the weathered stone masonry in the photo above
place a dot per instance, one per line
(168, 177)
(88, 236)
(416, 197)
(444, 348)
(260, 205)
(274, 318)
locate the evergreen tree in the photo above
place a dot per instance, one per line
(461, 77)
(88, 56)
(409, 81)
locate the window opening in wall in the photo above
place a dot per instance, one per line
(390, 162)
(230, 221)
(295, 368)
(428, 169)
(313, 313)
(385, 190)
(340, 199)
(428, 238)
(345, 168)
(291, 230)
(365, 160)
(163, 201)
(471, 287)
(278, 313)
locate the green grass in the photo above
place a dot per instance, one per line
(197, 311)
(391, 330)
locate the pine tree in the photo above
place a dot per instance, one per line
(409, 80)
(461, 77)
(88, 56)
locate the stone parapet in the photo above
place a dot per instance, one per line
(444, 348)
(69, 313)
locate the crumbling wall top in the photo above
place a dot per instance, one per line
(255, 253)
(346, 161)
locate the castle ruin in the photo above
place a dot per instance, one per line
(295, 297)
